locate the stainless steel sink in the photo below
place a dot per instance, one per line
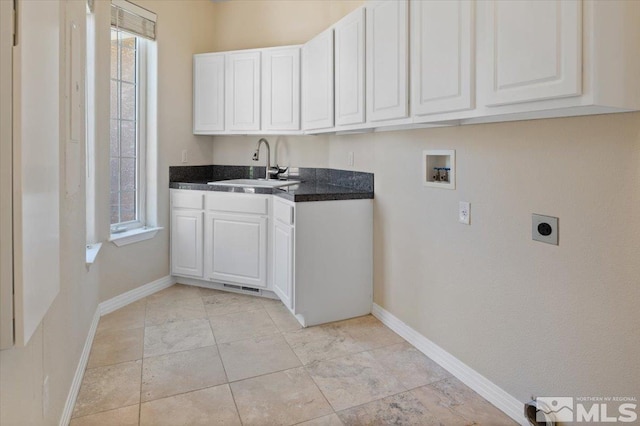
(246, 183)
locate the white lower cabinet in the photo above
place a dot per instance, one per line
(317, 257)
(323, 258)
(186, 242)
(283, 259)
(236, 249)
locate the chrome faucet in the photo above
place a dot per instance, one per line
(276, 171)
(256, 157)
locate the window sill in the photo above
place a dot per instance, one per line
(92, 252)
(134, 236)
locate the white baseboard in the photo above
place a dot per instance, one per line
(104, 308)
(467, 375)
(131, 296)
(77, 378)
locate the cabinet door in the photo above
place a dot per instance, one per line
(349, 70)
(532, 51)
(441, 56)
(281, 89)
(208, 93)
(186, 243)
(243, 91)
(317, 82)
(387, 60)
(283, 244)
(236, 249)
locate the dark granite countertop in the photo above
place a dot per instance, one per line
(305, 191)
(316, 184)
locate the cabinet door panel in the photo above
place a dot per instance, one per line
(283, 261)
(243, 91)
(534, 49)
(349, 71)
(387, 60)
(281, 89)
(208, 93)
(441, 56)
(236, 249)
(317, 82)
(186, 243)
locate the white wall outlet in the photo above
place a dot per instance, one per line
(184, 155)
(350, 158)
(45, 396)
(464, 212)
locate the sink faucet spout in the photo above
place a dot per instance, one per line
(256, 156)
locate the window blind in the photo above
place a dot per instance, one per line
(128, 17)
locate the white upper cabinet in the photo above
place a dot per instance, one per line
(243, 91)
(208, 93)
(533, 50)
(317, 82)
(349, 68)
(281, 89)
(442, 55)
(387, 59)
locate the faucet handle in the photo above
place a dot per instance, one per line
(277, 171)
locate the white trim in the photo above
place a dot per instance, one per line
(510, 405)
(134, 236)
(92, 251)
(104, 308)
(131, 296)
(65, 418)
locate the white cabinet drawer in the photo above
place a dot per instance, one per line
(283, 212)
(187, 199)
(238, 203)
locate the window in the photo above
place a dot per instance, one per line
(127, 131)
(133, 122)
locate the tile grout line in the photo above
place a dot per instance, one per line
(226, 376)
(103, 411)
(281, 333)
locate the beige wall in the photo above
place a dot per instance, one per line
(184, 28)
(55, 347)
(246, 24)
(535, 319)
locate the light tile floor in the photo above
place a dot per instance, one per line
(194, 356)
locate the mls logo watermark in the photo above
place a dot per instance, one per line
(587, 409)
(558, 408)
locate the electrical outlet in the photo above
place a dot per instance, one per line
(544, 229)
(184, 155)
(45, 396)
(464, 212)
(350, 158)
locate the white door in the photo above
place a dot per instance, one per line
(281, 89)
(317, 82)
(442, 44)
(208, 93)
(242, 98)
(349, 68)
(236, 249)
(283, 244)
(387, 60)
(187, 242)
(531, 50)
